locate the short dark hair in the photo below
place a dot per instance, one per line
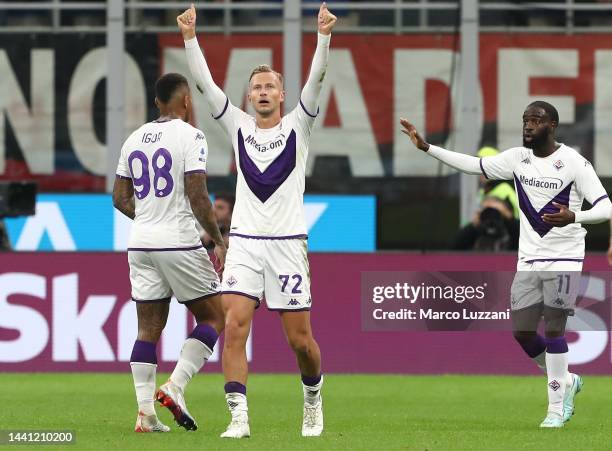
(227, 197)
(167, 85)
(550, 110)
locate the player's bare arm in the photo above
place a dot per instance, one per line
(197, 192)
(123, 197)
(564, 217)
(414, 135)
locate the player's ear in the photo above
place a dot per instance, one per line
(156, 102)
(282, 96)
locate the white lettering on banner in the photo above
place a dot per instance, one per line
(591, 343)
(241, 63)
(412, 70)
(355, 137)
(32, 326)
(72, 327)
(122, 225)
(90, 71)
(50, 220)
(34, 127)
(602, 113)
(591, 329)
(312, 212)
(515, 68)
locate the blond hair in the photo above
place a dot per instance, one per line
(264, 68)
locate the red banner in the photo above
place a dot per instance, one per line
(371, 81)
(71, 312)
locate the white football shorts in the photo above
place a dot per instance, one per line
(553, 283)
(157, 275)
(276, 269)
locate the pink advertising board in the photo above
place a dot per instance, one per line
(72, 312)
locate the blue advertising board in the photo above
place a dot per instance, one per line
(88, 222)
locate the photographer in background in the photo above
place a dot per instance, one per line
(497, 188)
(493, 228)
(495, 225)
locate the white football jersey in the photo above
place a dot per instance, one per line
(156, 158)
(565, 177)
(271, 167)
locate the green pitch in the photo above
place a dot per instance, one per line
(361, 413)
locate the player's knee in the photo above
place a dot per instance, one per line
(522, 336)
(236, 331)
(300, 343)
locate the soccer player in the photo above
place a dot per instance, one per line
(551, 181)
(267, 248)
(161, 185)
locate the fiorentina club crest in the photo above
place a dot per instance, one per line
(232, 281)
(554, 385)
(558, 165)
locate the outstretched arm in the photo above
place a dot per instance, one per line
(215, 97)
(459, 161)
(312, 88)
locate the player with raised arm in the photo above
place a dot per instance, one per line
(268, 249)
(551, 180)
(161, 185)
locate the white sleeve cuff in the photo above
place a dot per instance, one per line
(192, 43)
(323, 39)
(599, 213)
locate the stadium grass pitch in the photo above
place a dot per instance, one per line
(378, 412)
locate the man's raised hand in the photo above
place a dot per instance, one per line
(187, 22)
(326, 20)
(416, 139)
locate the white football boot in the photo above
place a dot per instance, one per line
(312, 423)
(238, 428)
(570, 395)
(552, 420)
(149, 423)
(171, 397)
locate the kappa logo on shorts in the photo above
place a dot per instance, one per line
(214, 285)
(232, 281)
(554, 385)
(294, 302)
(309, 301)
(558, 301)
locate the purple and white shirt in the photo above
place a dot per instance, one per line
(271, 162)
(156, 158)
(564, 177)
